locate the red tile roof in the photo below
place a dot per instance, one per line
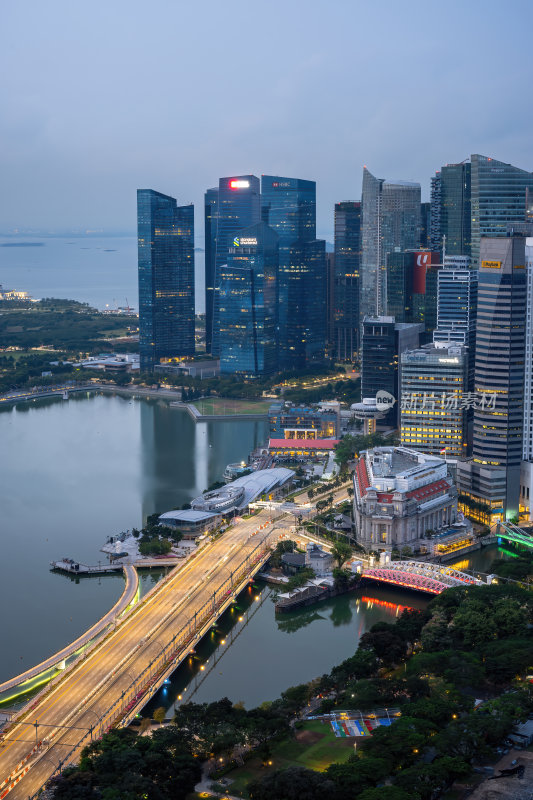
(302, 444)
(362, 476)
(425, 492)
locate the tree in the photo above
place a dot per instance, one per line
(159, 714)
(300, 578)
(293, 783)
(387, 793)
(341, 552)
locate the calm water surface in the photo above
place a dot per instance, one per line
(98, 271)
(73, 473)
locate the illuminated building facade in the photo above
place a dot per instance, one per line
(237, 206)
(248, 303)
(347, 266)
(287, 421)
(490, 481)
(399, 494)
(166, 278)
(433, 416)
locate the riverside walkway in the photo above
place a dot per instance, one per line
(23, 681)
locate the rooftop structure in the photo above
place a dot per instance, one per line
(400, 494)
(190, 522)
(237, 495)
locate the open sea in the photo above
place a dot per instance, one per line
(98, 271)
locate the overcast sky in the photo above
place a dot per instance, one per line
(100, 98)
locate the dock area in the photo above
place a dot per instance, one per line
(76, 568)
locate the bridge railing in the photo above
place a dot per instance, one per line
(173, 650)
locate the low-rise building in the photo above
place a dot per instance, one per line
(319, 560)
(301, 449)
(112, 362)
(289, 421)
(191, 523)
(399, 495)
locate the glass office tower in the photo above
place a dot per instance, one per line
(166, 278)
(390, 221)
(455, 211)
(237, 207)
(210, 228)
(347, 265)
(500, 196)
(289, 208)
(248, 303)
(492, 477)
(435, 235)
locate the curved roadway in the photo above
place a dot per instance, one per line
(130, 590)
(81, 700)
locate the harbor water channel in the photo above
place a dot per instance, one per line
(75, 472)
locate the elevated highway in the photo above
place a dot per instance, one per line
(121, 673)
(42, 672)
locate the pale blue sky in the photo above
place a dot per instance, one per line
(100, 98)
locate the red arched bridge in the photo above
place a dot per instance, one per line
(424, 577)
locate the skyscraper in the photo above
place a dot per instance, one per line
(455, 211)
(289, 208)
(383, 342)
(412, 287)
(435, 234)
(248, 303)
(490, 481)
(456, 303)
(210, 228)
(500, 195)
(526, 470)
(433, 382)
(347, 266)
(390, 221)
(237, 206)
(166, 278)
(425, 225)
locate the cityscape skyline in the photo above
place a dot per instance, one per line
(78, 134)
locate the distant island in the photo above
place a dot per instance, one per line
(22, 244)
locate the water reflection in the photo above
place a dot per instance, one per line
(249, 657)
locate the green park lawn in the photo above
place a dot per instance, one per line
(315, 747)
(221, 405)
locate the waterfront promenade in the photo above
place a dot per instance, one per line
(120, 674)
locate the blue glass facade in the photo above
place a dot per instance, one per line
(166, 278)
(239, 207)
(455, 212)
(499, 198)
(248, 303)
(210, 228)
(288, 206)
(347, 266)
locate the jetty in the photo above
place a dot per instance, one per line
(76, 568)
